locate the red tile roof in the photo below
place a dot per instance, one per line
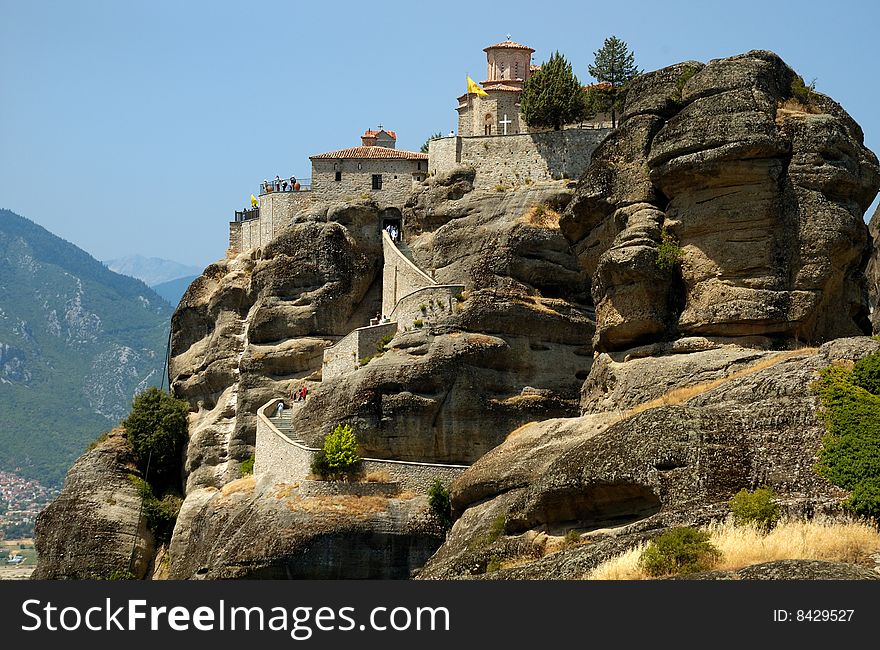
(494, 85)
(372, 152)
(602, 85)
(370, 133)
(509, 45)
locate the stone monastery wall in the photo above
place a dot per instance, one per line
(277, 211)
(511, 159)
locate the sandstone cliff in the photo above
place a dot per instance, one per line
(759, 194)
(873, 271)
(94, 529)
(619, 477)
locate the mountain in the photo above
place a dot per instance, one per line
(152, 270)
(76, 342)
(173, 290)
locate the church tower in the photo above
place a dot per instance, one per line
(508, 65)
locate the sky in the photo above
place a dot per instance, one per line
(140, 127)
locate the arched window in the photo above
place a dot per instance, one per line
(501, 70)
(516, 70)
(487, 124)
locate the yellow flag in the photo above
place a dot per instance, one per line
(474, 87)
(254, 202)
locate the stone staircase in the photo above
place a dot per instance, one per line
(284, 424)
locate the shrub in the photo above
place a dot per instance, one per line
(572, 538)
(423, 307)
(340, 451)
(385, 340)
(500, 188)
(679, 551)
(441, 506)
(685, 76)
(866, 374)
(668, 251)
(801, 91)
(99, 440)
(156, 429)
(160, 514)
(850, 452)
(319, 465)
(494, 564)
(247, 466)
(418, 322)
(755, 508)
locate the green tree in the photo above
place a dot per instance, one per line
(553, 96)
(340, 449)
(440, 504)
(424, 147)
(616, 65)
(156, 429)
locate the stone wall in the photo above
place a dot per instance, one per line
(346, 354)
(357, 179)
(511, 159)
(443, 154)
(282, 460)
(277, 212)
(399, 275)
(428, 305)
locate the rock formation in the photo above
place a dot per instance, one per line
(759, 194)
(620, 477)
(94, 528)
(717, 231)
(873, 271)
(251, 530)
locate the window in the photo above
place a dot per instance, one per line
(377, 181)
(338, 176)
(516, 70)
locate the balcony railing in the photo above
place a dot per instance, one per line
(247, 215)
(292, 184)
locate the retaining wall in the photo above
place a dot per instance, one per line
(399, 275)
(285, 461)
(438, 300)
(346, 354)
(511, 159)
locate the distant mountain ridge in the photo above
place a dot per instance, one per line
(152, 270)
(76, 342)
(173, 290)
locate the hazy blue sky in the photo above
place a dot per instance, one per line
(138, 127)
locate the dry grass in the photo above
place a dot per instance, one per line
(245, 484)
(381, 476)
(536, 304)
(541, 216)
(680, 395)
(743, 546)
(793, 108)
(341, 504)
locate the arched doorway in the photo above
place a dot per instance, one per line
(487, 124)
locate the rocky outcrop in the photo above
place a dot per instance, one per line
(725, 206)
(514, 349)
(872, 273)
(94, 528)
(251, 530)
(252, 326)
(618, 478)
